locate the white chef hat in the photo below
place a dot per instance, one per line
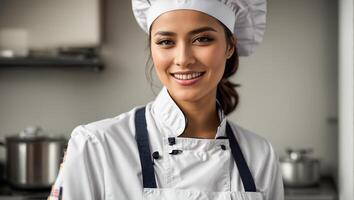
(245, 18)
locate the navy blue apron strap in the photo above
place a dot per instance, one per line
(244, 171)
(142, 139)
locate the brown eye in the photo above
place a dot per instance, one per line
(165, 42)
(204, 39)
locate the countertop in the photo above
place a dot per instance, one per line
(326, 190)
(8, 193)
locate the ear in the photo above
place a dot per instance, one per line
(231, 47)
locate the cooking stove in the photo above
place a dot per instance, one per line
(10, 193)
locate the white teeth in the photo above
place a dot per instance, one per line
(187, 76)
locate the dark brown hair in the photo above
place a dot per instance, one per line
(226, 92)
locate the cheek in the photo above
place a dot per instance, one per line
(214, 58)
(161, 59)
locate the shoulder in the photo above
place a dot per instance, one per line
(257, 150)
(248, 138)
(121, 126)
(262, 161)
(116, 134)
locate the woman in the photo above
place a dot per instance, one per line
(180, 146)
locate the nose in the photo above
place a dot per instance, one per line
(184, 55)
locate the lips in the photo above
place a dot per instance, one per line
(187, 78)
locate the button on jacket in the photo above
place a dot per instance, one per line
(102, 160)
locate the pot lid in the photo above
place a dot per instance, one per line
(300, 155)
(33, 133)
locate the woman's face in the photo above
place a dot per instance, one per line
(189, 51)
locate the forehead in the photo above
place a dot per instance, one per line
(184, 20)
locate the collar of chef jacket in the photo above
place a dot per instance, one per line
(169, 115)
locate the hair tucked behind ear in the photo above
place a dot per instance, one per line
(226, 92)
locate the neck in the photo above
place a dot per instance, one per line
(203, 118)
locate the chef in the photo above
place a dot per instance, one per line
(181, 146)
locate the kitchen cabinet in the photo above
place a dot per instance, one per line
(47, 27)
(53, 24)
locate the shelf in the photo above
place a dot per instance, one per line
(65, 61)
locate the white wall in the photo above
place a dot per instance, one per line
(289, 91)
(289, 87)
(346, 110)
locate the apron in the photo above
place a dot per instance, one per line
(151, 192)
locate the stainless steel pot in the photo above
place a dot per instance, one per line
(298, 170)
(33, 159)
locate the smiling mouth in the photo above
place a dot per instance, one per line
(187, 76)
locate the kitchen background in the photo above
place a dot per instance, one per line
(289, 91)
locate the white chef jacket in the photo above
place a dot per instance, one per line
(102, 158)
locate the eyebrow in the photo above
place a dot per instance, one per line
(193, 32)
